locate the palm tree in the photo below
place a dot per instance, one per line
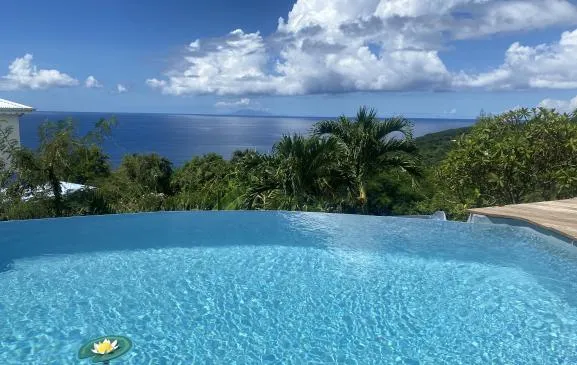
(371, 146)
(301, 174)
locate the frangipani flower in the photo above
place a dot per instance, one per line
(105, 347)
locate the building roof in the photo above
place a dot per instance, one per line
(7, 106)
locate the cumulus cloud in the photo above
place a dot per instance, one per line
(328, 46)
(223, 66)
(121, 89)
(490, 17)
(92, 83)
(244, 102)
(542, 66)
(22, 74)
(565, 106)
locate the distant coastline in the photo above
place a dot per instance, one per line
(251, 113)
(246, 114)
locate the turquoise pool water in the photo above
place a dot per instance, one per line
(285, 288)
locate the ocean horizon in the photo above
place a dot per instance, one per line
(180, 137)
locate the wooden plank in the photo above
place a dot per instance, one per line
(559, 216)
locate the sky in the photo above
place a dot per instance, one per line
(429, 58)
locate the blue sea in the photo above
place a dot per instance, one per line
(179, 137)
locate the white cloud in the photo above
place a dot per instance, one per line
(225, 66)
(193, 46)
(543, 66)
(364, 45)
(23, 74)
(244, 102)
(515, 15)
(564, 106)
(121, 88)
(158, 84)
(92, 83)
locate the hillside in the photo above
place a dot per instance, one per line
(434, 147)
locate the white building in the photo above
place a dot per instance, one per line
(10, 114)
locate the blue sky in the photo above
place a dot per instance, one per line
(448, 58)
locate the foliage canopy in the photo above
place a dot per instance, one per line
(354, 165)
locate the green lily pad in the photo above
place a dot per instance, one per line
(124, 345)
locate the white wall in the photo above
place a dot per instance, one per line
(13, 121)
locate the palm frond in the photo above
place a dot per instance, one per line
(366, 117)
(407, 165)
(339, 128)
(395, 145)
(389, 126)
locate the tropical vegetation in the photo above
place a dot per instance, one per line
(519, 156)
(363, 165)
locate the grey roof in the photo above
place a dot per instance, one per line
(10, 106)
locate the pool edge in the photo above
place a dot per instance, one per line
(475, 218)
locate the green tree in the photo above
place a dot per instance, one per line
(516, 157)
(248, 169)
(202, 183)
(301, 174)
(371, 146)
(246, 165)
(152, 172)
(63, 155)
(395, 193)
(141, 183)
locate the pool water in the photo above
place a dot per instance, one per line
(285, 288)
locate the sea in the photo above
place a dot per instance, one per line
(179, 137)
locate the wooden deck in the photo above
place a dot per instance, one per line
(559, 216)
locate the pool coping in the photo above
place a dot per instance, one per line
(476, 218)
(558, 216)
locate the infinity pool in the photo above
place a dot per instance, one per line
(285, 288)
